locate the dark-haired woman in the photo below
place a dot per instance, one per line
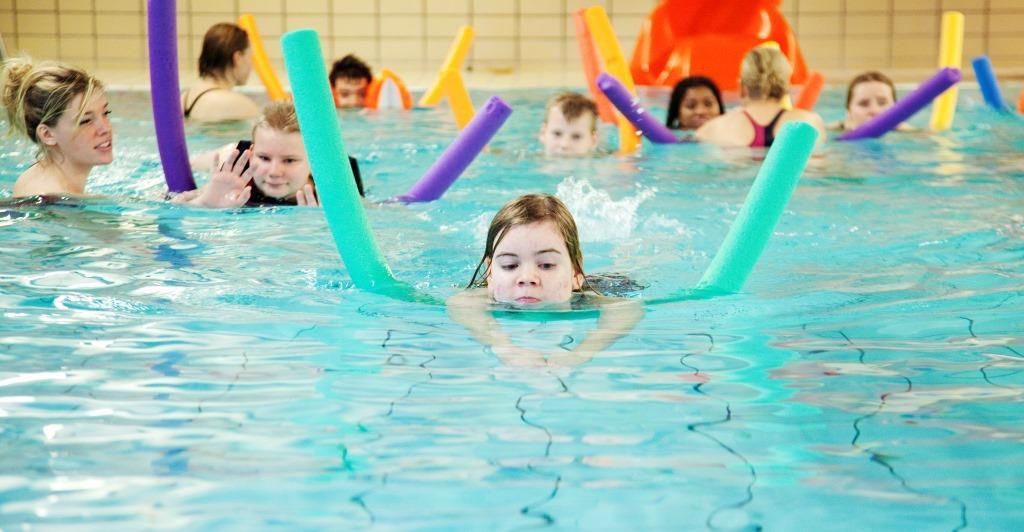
(224, 63)
(694, 100)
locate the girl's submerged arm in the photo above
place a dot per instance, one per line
(618, 318)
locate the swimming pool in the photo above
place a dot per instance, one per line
(168, 367)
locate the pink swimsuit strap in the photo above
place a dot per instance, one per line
(764, 136)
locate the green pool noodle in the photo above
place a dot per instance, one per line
(318, 121)
(760, 213)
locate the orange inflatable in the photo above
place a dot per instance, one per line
(387, 91)
(683, 38)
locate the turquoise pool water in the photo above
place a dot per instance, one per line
(168, 367)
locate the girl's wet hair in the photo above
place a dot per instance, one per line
(35, 94)
(679, 94)
(219, 46)
(866, 77)
(277, 115)
(765, 73)
(528, 209)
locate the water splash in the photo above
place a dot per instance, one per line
(598, 216)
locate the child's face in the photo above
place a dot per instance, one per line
(349, 92)
(698, 106)
(86, 143)
(869, 99)
(280, 167)
(562, 137)
(531, 265)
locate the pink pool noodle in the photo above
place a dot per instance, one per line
(906, 107)
(460, 153)
(630, 107)
(163, 81)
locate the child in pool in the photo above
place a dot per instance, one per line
(869, 95)
(694, 101)
(280, 168)
(349, 78)
(64, 111)
(533, 260)
(764, 81)
(570, 126)
(224, 63)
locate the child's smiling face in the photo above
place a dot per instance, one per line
(280, 167)
(531, 265)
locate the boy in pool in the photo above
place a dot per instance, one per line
(350, 77)
(570, 126)
(533, 260)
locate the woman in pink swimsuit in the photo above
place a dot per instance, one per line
(764, 82)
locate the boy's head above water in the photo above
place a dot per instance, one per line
(350, 77)
(533, 253)
(570, 126)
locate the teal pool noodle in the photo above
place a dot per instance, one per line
(335, 185)
(765, 202)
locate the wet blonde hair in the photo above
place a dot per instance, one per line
(764, 74)
(573, 105)
(35, 94)
(279, 116)
(528, 209)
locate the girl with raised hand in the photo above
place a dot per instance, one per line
(224, 63)
(533, 260)
(64, 111)
(764, 81)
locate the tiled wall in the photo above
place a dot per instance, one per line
(513, 36)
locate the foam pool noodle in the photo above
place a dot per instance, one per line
(164, 86)
(260, 61)
(460, 154)
(811, 91)
(906, 107)
(456, 55)
(615, 64)
(591, 68)
(768, 196)
(950, 55)
(458, 98)
(988, 83)
(630, 107)
(335, 184)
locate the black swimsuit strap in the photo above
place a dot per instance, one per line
(188, 109)
(769, 130)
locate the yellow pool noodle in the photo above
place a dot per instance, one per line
(614, 64)
(458, 97)
(456, 55)
(951, 52)
(260, 61)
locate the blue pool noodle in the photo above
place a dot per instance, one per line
(460, 154)
(989, 84)
(335, 184)
(760, 213)
(163, 82)
(630, 107)
(905, 108)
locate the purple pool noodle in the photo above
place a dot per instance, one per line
(460, 153)
(630, 107)
(906, 107)
(163, 79)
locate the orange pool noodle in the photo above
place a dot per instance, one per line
(1020, 103)
(592, 67)
(811, 91)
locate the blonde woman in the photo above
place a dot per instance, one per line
(64, 111)
(764, 81)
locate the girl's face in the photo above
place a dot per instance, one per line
(280, 167)
(868, 100)
(89, 142)
(698, 106)
(531, 265)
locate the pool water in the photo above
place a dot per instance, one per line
(168, 367)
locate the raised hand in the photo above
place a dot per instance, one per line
(227, 186)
